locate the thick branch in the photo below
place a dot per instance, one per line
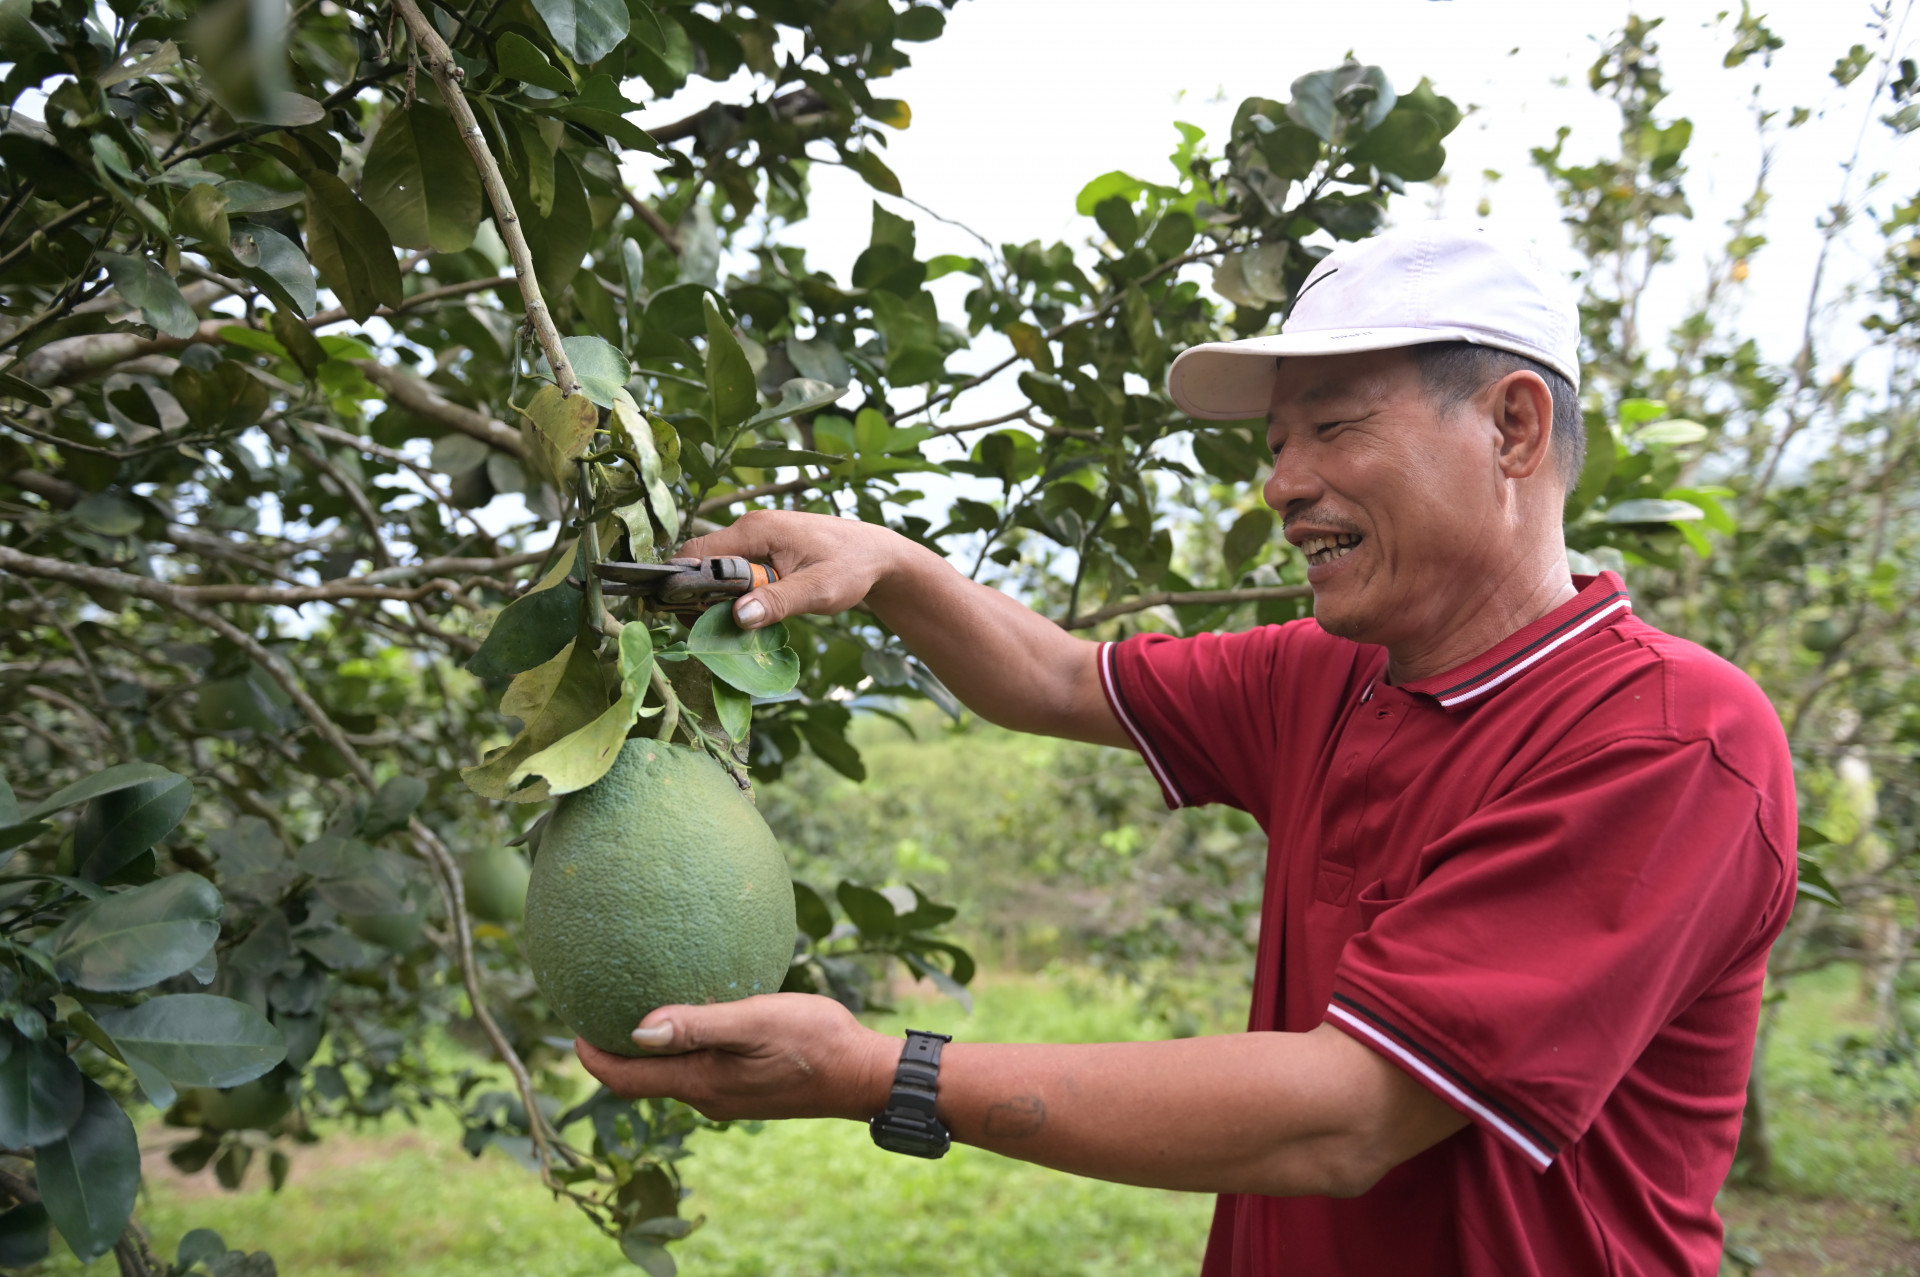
(418, 396)
(439, 60)
(1183, 598)
(171, 595)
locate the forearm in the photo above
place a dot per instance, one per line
(1006, 662)
(1270, 1113)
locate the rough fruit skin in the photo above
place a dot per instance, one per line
(658, 884)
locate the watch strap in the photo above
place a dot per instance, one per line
(909, 1123)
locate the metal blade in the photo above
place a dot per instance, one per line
(638, 573)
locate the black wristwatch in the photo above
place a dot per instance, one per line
(907, 1124)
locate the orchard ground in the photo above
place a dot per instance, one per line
(812, 1199)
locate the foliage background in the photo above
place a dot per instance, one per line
(246, 550)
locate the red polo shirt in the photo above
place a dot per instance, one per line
(1544, 884)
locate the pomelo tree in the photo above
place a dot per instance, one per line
(342, 340)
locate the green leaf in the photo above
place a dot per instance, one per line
(121, 776)
(583, 756)
(1670, 433)
(1652, 510)
(420, 180)
(830, 742)
(13, 387)
(23, 1235)
(1635, 412)
(558, 240)
(143, 283)
(298, 341)
(586, 30)
(40, 1095)
(811, 912)
(758, 662)
(393, 806)
(601, 107)
(117, 827)
(797, 395)
(646, 1254)
(734, 709)
(1245, 538)
(637, 435)
(563, 427)
(868, 910)
(533, 627)
(350, 247)
(553, 700)
(636, 660)
(139, 937)
(202, 213)
(195, 1039)
(600, 366)
(109, 515)
(276, 265)
(517, 58)
(872, 170)
(88, 1179)
(729, 376)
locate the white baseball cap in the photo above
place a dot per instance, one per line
(1429, 282)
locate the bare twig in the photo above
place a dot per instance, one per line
(424, 297)
(439, 60)
(420, 397)
(1184, 598)
(651, 216)
(754, 493)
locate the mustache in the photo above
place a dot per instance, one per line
(1326, 520)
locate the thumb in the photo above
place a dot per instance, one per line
(760, 608)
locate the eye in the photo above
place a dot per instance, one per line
(1323, 427)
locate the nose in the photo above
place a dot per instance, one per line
(1293, 485)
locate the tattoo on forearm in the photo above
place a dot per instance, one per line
(1017, 1118)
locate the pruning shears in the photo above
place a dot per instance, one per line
(686, 587)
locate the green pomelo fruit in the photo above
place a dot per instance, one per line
(399, 932)
(252, 1106)
(658, 884)
(496, 884)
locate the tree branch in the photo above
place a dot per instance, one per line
(1184, 598)
(170, 595)
(439, 60)
(422, 298)
(754, 493)
(651, 216)
(420, 397)
(791, 105)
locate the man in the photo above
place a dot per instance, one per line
(1527, 854)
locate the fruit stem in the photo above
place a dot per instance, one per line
(671, 718)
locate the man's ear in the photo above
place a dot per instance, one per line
(1522, 411)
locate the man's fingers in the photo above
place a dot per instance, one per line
(635, 1079)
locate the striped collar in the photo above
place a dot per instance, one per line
(1602, 600)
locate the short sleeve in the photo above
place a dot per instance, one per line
(1556, 932)
(1208, 712)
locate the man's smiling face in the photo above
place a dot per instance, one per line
(1398, 506)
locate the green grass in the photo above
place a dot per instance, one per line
(813, 1199)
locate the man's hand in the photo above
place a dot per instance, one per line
(772, 1056)
(826, 565)
(1005, 662)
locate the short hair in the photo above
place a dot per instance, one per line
(1455, 371)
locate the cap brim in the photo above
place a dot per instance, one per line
(1233, 380)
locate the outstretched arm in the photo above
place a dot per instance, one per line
(1004, 661)
(1283, 1114)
